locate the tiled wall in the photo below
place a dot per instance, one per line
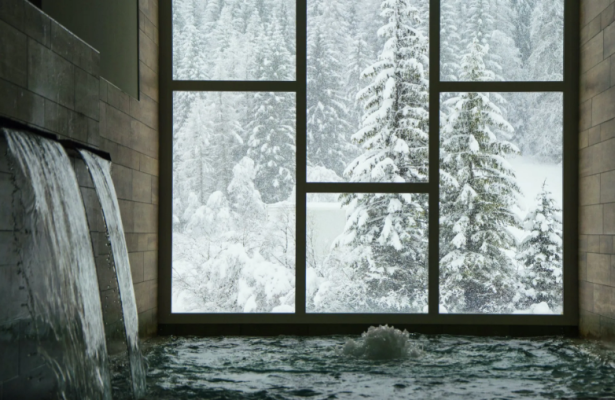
(597, 169)
(129, 132)
(49, 79)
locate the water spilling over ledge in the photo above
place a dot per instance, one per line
(58, 266)
(100, 171)
(64, 254)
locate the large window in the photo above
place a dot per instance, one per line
(401, 161)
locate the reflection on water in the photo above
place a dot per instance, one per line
(449, 367)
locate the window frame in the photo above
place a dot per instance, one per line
(569, 87)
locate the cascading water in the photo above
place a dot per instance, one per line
(100, 170)
(59, 269)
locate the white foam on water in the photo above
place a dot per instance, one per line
(382, 343)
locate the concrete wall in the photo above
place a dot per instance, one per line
(597, 170)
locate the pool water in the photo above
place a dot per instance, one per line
(444, 367)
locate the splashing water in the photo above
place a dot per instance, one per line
(59, 269)
(100, 170)
(382, 343)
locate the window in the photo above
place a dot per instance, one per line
(371, 161)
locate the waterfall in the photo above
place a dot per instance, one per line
(100, 170)
(59, 269)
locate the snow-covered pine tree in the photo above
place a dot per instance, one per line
(546, 63)
(449, 50)
(327, 107)
(541, 253)
(391, 228)
(271, 141)
(478, 189)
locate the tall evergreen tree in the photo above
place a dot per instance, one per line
(478, 189)
(546, 63)
(272, 139)
(327, 107)
(391, 228)
(541, 253)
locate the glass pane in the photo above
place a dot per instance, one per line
(233, 202)
(234, 40)
(367, 253)
(513, 40)
(367, 91)
(501, 203)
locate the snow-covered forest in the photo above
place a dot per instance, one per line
(234, 171)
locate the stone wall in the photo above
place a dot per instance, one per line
(49, 79)
(129, 132)
(597, 170)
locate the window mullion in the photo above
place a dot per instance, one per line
(301, 154)
(434, 154)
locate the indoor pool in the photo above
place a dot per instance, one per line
(434, 367)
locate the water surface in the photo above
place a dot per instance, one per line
(450, 367)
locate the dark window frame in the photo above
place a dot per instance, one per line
(332, 323)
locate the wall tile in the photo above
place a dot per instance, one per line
(18, 103)
(127, 157)
(13, 13)
(155, 189)
(37, 25)
(593, 244)
(144, 138)
(590, 161)
(589, 190)
(117, 98)
(150, 265)
(609, 219)
(606, 244)
(13, 55)
(585, 117)
(148, 79)
(586, 296)
(146, 218)
(607, 187)
(149, 165)
(145, 110)
(136, 266)
(590, 9)
(151, 31)
(50, 75)
(602, 107)
(598, 268)
(87, 92)
(122, 180)
(126, 210)
(596, 80)
(149, 8)
(607, 130)
(591, 222)
(594, 135)
(609, 40)
(592, 52)
(149, 52)
(591, 29)
(141, 187)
